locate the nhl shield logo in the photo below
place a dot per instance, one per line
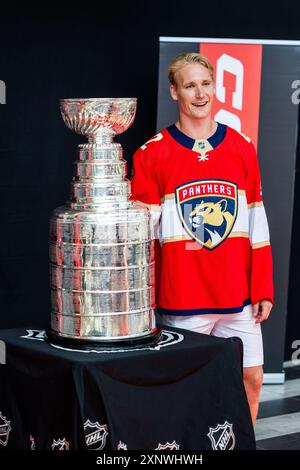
(207, 210)
(222, 437)
(5, 429)
(32, 442)
(122, 446)
(95, 435)
(168, 446)
(60, 444)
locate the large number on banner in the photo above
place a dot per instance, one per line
(227, 63)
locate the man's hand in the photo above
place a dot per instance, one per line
(261, 310)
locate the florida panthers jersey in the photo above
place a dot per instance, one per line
(205, 198)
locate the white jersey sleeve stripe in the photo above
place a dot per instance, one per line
(259, 230)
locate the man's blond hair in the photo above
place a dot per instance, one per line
(185, 59)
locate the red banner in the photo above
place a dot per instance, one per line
(237, 79)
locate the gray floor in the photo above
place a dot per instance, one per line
(278, 424)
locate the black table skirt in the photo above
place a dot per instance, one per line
(186, 393)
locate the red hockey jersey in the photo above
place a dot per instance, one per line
(206, 204)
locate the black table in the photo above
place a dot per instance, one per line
(187, 393)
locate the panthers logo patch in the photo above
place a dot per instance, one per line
(208, 210)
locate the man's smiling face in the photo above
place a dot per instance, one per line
(194, 91)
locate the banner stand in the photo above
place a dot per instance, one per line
(255, 94)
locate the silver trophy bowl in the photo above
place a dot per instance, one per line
(94, 116)
(101, 244)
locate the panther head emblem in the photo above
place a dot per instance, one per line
(213, 220)
(207, 210)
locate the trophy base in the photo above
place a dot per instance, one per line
(150, 340)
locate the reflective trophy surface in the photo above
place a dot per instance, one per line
(101, 244)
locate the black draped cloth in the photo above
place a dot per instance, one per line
(184, 393)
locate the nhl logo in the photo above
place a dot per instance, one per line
(38, 335)
(32, 442)
(95, 435)
(122, 446)
(222, 437)
(168, 446)
(60, 444)
(5, 429)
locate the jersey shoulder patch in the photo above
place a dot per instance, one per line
(156, 138)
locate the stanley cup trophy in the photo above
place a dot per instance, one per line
(101, 244)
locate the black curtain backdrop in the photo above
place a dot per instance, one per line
(90, 52)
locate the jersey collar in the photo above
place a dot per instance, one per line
(212, 142)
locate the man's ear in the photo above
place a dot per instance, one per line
(173, 92)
